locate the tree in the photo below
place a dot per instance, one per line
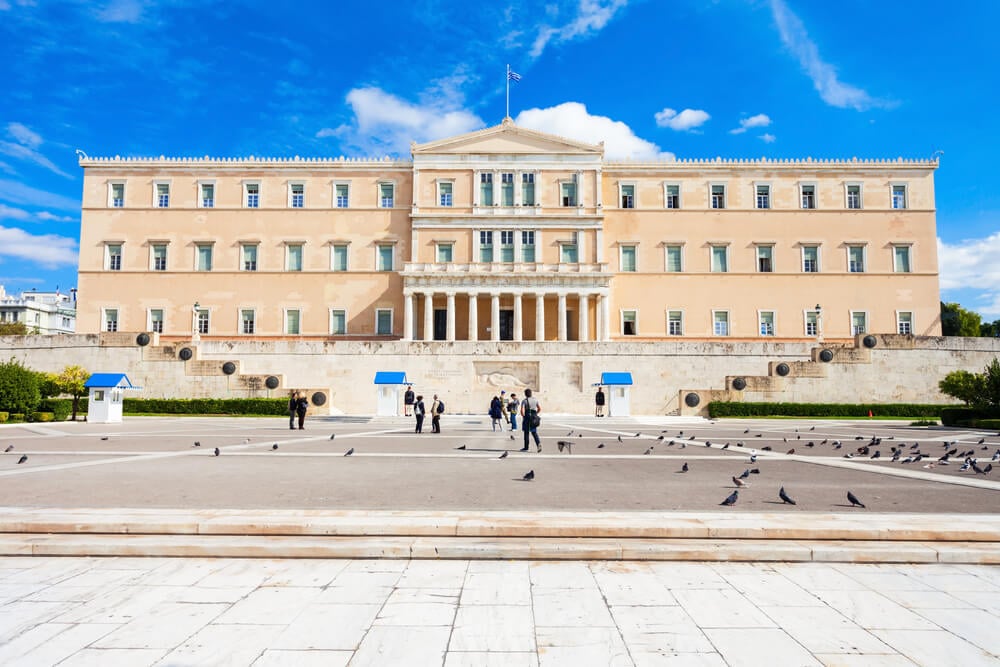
(991, 384)
(18, 388)
(963, 385)
(71, 381)
(957, 321)
(990, 329)
(48, 385)
(13, 329)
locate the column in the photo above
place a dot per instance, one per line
(494, 317)
(408, 316)
(450, 334)
(518, 325)
(540, 316)
(429, 316)
(584, 327)
(605, 317)
(561, 321)
(474, 316)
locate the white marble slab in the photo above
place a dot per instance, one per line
(511, 568)
(957, 581)
(410, 646)
(417, 614)
(219, 644)
(644, 659)
(376, 565)
(434, 574)
(188, 572)
(631, 588)
(201, 595)
(309, 573)
(871, 610)
(581, 647)
(270, 606)
(282, 658)
(819, 577)
(883, 577)
(973, 625)
(825, 630)
(242, 572)
(494, 628)
(480, 659)
(660, 630)
(711, 608)
(166, 626)
(114, 657)
(936, 647)
(854, 660)
(61, 641)
(986, 601)
(771, 589)
(561, 574)
(328, 627)
(120, 605)
(16, 617)
(503, 588)
(759, 646)
(570, 607)
(928, 599)
(687, 575)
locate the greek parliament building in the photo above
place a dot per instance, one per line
(508, 234)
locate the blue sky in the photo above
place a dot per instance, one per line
(692, 78)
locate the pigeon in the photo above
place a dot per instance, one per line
(746, 431)
(512, 437)
(824, 441)
(784, 439)
(691, 438)
(462, 447)
(790, 451)
(104, 438)
(981, 441)
(504, 455)
(197, 444)
(671, 444)
(680, 433)
(349, 451)
(23, 458)
(851, 498)
(745, 474)
(895, 457)
(274, 446)
(759, 435)
(731, 499)
(754, 471)
(859, 437)
(217, 452)
(660, 438)
(9, 447)
(708, 443)
(528, 476)
(753, 458)
(976, 468)
(988, 469)
(784, 497)
(333, 435)
(810, 444)
(684, 468)
(739, 482)
(564, 444)
(812, 428)
(619, 438)
(246, 441)
(726, 446)
(637, 435)
(601, 446)
(798, 437)
(739, 443)
(569, 434)
(766, 448)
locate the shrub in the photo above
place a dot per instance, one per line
(18, 388)
(207, 406)
(42, 416)
(4, 416)
(16, 417)
(966, 416)
(742, 409)
(59, 407)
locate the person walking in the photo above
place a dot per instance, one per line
(408, 400)
(293, 404)
(512, 407)
(495, 413)
(530, 411)
(418, 412)
(437, 409)
(301, 406)
(503, 407)
(599, 403)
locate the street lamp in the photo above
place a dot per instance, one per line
(819, 323)
(195, 336)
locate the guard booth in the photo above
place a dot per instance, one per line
(389, 385)
(619, 386)
(106, 397)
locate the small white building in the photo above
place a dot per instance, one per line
(41, 312)
(390, 384)
(107, 396)
(619, 387)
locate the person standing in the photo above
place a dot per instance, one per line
(437, 408)
(512, 407)
(418, 412)
(599, 403)
(301, 406)
(530, 411)
(408, 401)
(495, 413)
(293, 404)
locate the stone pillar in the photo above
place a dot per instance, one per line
(518, 324)
(494, 317)
(474, 316)
(584, 327)
(540, 316)
(605, 317)
(450, 335)
(561, 321)
(429, 316)
(408, 316)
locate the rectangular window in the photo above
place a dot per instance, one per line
(485, 246)
(763, 196)
(341, 195)
(859, 323)
(899, 196)
(675, 323)
(567, 192)
(628, 259)
(445, 253)
(207, 195)
(203, 321)
(114, 257)
(162, 195)
(673, 195)
(507, 246)
(292, 322)
(675, 258)
(204, 257)
(568, 253)
(339, 259)
(856, 258)
(338, 322)
(386, 194)
(904, 323)
(720, 322)
(720, 259)
(445, 194)
(628, 196)
(385, 252)
(486, 189)
(528, 189)
(808, 196)
(66, 322)
(111, 319)
(812, 323)
(765, 259)
(810, 259)
(766, 321)
(159, 257)
(117, 195)
(718, 196)
(901, 259)
(297, 195)
(528, 247)
(156, 320)
(294, 257)
(248, 321)
(629, 323)
(506, 189)
(853, 196)
(383, 321)
(251, 195)
(249, 256)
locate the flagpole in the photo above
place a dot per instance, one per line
(507, 115)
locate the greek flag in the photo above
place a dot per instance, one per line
(513, 76)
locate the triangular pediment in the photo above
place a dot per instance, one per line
(507, 138)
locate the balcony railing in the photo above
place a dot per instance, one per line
(502, 267)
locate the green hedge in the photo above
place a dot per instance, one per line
(42, 416)
(4, 416)
(741, 409)
(966, 416)
(61, 408)
(985, 423)
(16, 417)
(207, 406)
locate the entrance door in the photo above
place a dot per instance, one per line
(506, 325)
(440, 324)
(388, 400)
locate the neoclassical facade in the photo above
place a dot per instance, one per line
(508, 234)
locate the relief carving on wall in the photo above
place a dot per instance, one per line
(507, 375)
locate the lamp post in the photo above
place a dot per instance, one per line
(195, 337)
(819, 324)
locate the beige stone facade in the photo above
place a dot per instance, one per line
(508, 234)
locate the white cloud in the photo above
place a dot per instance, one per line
(11, 213)
(824, 75)
(767, 138)
(121, 11)
(49, 250)
(971, 264)
(24, 135)
(24, 148)
(17, 192)
(573, 121)
(760, 120)
(684, 121)
(590, 16)
(45, 216)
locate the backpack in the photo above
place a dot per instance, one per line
(440, 407)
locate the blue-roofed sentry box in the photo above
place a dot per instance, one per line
(388, 384)
(106, 397)
(619, 387)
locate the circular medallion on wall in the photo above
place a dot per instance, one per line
(782, 369)
(271, 382)
(869, 341)
(185, 353)
(319, 398)
(692, 400)
(142, 340)
(229, 368)
(739, 384)
(826, 355)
